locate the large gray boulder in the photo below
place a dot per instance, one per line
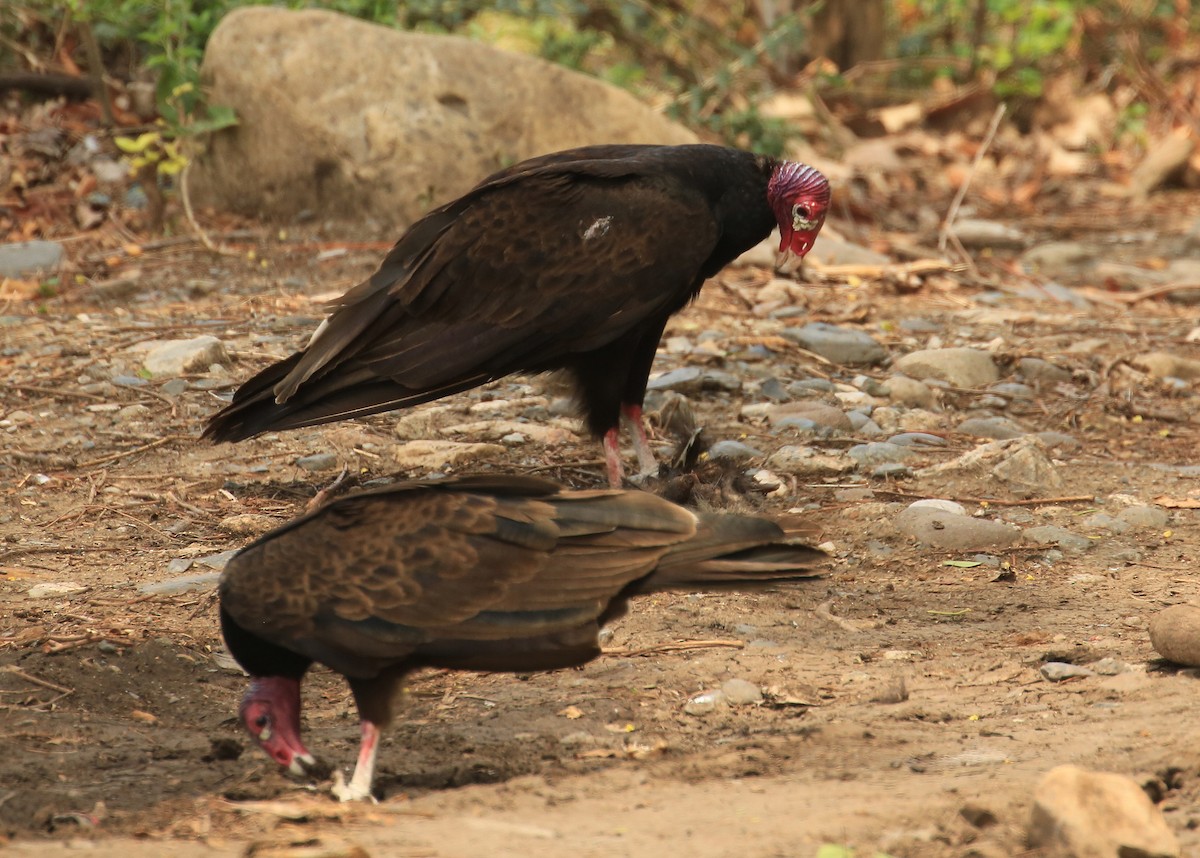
(354, 120)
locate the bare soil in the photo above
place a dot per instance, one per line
(905, 711)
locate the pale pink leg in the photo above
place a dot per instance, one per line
(647, 464)
(364, 770)
(612, 457)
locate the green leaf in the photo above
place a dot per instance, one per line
(962, 564)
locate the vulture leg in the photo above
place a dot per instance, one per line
(364, 770)
(647, 463)
(612, 457)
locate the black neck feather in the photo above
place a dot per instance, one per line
(260, 657)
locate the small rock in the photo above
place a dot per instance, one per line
(692, 380)
(181, 357)
(891, 471)
(772, 388)
(917, 440)
(733, 451)
(24, 258)
(317, 462)
(1057, 258)
(1028, 468)
(1104, 521)
(1167, 365)
(1099, 815)
(1036, 369)
(1144, 517)
(818, 413)
(908, 391)
(805, 462)
(840, 345)
(1013, 390)
(129, 381)
(960, 367)
(1052, 534)
(50, 590)
(513, 439)
(181, 584)
(435, 455)
(1058, 441)
(941, 529)
(938, 503)
(740, 692)
(247, 524)
(1175, 634)
(706, 702)
(879, 453)
(995, 428)
(1057, 671)
(1109, 666)
(218, 561)
(987, 233)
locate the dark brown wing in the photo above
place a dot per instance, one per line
(374, 578)
(553, 259)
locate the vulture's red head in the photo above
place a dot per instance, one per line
(799, 196)
(271, 712)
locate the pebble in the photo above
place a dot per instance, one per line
(995, 428)
(1057, 258)
(740, 692)
(1013, 390)
(864, 425)
(941, 529)
(1175, 634)
(918, 325)
(1104, 521)
(23, 258)
(130, 413)
(987, 233)
(247, 524)
(879, 453)
(429, 455)
(1030, 469)
(772, 388)
(56, 588)
(918, 440)
(803, 461)
(938, 503)
(1036, 369)
(1052, 534)
(1057, 671)
(513, 439)
(1109, 666)
(692, 380)
(1167, 365)
(129, 381)
(1079, 812)
(1058, 441)
(217, 561)
(181, 584)
(317, 462)
(733, 451)
(960, 367)
(817, 413)
(1144, 517)
(891, 471)
(806, 386)
(181, 357)
(908, 391)
(840, 345)
(706, 702)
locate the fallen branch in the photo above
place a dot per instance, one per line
(947, 230)
(680, 646)
(997, 501)
(112, 457)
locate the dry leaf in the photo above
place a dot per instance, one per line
(572, 712)
(1177, 503)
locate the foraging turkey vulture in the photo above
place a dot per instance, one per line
(496, 573)
(570, 261)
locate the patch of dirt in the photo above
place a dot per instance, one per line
(900, 689)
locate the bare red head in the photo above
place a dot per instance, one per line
(799, 196)
(271, 712)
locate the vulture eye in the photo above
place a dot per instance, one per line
(802, 218)
(262, 721)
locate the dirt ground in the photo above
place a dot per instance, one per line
(905, 711)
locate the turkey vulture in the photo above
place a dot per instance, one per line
(569, 261)
(496, 573)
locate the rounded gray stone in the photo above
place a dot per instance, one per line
(840, 345)
(960, 367)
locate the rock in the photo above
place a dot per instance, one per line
(1104, 521)
(1052, 440)
(1057, 671)
(908, 391)
(949, 506)
(917, 440)
(831, 250)
(181, 357)
(1167, 365)
(1109, 666)
(54, 589)
(740, 692)
(1029, 469)
(436, 455)
(1165, 157)
(826, 416)
(941, 529)
(180, 584)
(996, 428)
(1036, 369)
(733, 451)
(988, 233)
(27, 258)
(691, 380)
(1144, 517)
(317, 462)
(879, 453)
(1057, 258)
(247, 524)
(840, 345)
(497, 430)
(1175, 634)
(428, 117)
(960, 367)
(1013, 390)
(803, 461)
(706, 702)
(1052, 534)
(1082, 814)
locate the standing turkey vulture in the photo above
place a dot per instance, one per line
(572, 260)
(480, 573)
